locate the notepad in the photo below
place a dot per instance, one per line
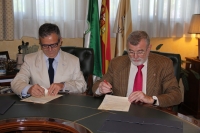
(5, 105)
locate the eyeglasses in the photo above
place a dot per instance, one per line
(139, 53)
(46, 46)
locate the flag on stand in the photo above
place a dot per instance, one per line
(105, 35)
(123, 26)
(93, 33)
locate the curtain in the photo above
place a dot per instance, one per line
(6, 20)
(162, 18)
(159, 18)
(69, 15)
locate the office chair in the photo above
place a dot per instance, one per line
(86, 58)
(176, 59)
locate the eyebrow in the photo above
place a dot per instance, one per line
(49, 44)
(136, 51)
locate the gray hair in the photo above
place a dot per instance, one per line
(136, 36)
(47, 29)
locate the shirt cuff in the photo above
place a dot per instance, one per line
(64, 90)
(97, 92)
(25, 90)
(157, 102)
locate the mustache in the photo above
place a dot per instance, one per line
(134, 59)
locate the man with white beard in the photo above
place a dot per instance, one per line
(141, 76)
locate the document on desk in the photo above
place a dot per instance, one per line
(41, 100)
(115, 103)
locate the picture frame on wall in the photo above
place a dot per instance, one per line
(4, 55)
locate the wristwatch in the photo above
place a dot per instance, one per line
(154, 100)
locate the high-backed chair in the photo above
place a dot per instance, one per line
(86, 58)
(176, 59)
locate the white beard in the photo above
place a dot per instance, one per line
(138, 61)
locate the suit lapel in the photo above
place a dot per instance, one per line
(62, 65)
(42, 68)
(124, 74)
(151, 75)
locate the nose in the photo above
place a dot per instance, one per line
(135, 55)
(49, 47)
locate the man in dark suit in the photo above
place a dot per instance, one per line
(158, 84)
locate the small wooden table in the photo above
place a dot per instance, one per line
(8, 75)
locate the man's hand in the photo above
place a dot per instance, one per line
(105, 87)
(55, 88)
(139, 96)
(36, 91)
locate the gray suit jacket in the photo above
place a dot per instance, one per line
(161, 81)
(34, 70)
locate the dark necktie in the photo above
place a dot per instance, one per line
(138, 79)
(51, 70)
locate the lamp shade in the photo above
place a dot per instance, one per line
(194, 24)
(195, 29)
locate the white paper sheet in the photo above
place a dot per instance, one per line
(41, 100)
(115, 103)
(5, 80)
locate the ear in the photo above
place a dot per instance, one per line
(61, 41)
(149, 46)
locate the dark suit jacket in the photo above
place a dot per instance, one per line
(161, 81)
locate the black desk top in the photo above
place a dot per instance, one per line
(83, 110)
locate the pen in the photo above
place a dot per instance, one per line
(111, 91)
(105, 81)
(45, 90)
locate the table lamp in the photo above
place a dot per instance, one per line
(195, 29)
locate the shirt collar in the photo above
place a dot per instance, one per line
(55, 59)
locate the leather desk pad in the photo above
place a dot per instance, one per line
(130, 124)
(5, 105)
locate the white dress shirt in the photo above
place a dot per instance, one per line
(132, 74)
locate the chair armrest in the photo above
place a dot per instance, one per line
(89, 85)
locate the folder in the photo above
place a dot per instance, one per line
(131, 124)
(5, 105)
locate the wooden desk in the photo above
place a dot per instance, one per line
(80, 109)
(9, 75)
